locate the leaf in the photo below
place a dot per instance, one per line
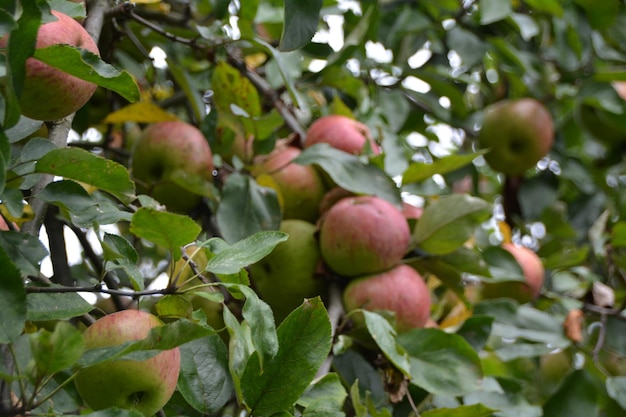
(301, 21)
(618, 235)
(57, 350)
(577, 396)
(325, 397)
(441, 363)
(502, 265)
(231, 259)
(114, 412)
(12, 299)
(355, 369)
(168, 230)
(476, 330)
(140, 112)
(56, 306)
(25, 251)
(303, 344)
(476, 410)
(89, 67)
(117, 247)
(505, 396)
(85, 167)
(421, 171)
(204, 380)
(494, 10)
(350, 172)
(449, 222)
(385, 337)
(73, 200)
(616, 388)
(246, 208)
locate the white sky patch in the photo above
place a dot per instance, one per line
(158, 57)
(415, 84)
(377, 52)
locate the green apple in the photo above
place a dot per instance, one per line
(523, 292)
(343, 133)
(172, 162)
(400, 290)
(300, 187)
(363, 235)
(49, 93)
(288, 275)
(518, 133)
(145, 386)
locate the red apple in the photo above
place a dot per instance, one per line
(534, 275)
(343, 133)
(331, 197)
(171, 161)
(300, 187)
(518, 133)
(411, 212)
(145, 386)
(49, 93)
(363, 235)
(400, 290)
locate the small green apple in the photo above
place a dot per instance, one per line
(145, 386)
(170, 161)
(518, 133)
(288, 275)
(363, 235)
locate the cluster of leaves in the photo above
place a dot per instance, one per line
(253, 64)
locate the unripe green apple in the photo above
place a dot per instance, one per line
(518, 133)
(145, 386)
(300, 187)
(343, 133)
(534, 275)
(288, 275)
(49, 93)
(363, 235)
(170, 161)
(400, 290)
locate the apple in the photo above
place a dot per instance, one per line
(343, 133)
(331, 197)
(534, 275)
(170, 160)
(49, 93)
(300, 187)
(363, 235)
(400, 290)
(145, 386)
(288, 275)
(518, 133)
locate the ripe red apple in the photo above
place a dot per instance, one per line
(145, 386)
(300, 187)
(288, 275)
(169, 158)
(534, 275)
(518, 133)
(363, 235)
(400, 290)
(49, 93)
(342, 133)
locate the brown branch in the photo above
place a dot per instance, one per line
(98, 289)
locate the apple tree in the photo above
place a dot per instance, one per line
(327, 207)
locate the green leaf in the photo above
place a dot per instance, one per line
(351, 172)
(420, 171)
(442, 363)
(85, 167)
(240, 348)
(304, 343)
(231, 259)
(550, 7)
(114, 412)
(204, 380)
(616, 388)
(324, 398)
(25, 251)
(5, 156)
(494, 10)
(577, 396)
(56, 306)
(476, 410)
(246, 208)
(449, 222)
(385, 337)
(502, 265)
(12, 299)
(192, 92)
(301, 21)
(476, 330)
(470, 47)
(117, 247)
(74, 201)
(168, 230)
(88, 66)
(57, 350)
(504, 396)
(618, 235)
(356, 370)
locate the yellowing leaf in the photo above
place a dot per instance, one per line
(141, 112)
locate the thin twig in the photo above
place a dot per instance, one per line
(98, 289)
